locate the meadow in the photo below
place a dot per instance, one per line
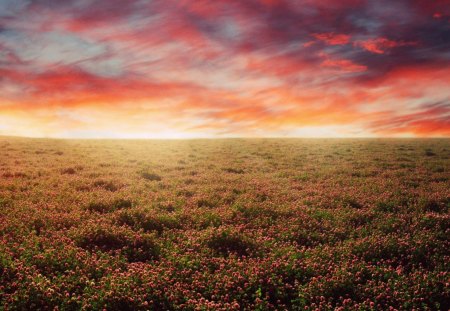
(225, 224)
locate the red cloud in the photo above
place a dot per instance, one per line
(227, 66)
(381, 45)
(332, 38)
(271, 3)
(431, 120)
(69, 87)
(344, 65)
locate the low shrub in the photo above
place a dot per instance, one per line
(150, 176)
(225, 241)
(234, 170)
(107, 185)
(146, 220)
(134, 246)
(68, 171)
(105, 207)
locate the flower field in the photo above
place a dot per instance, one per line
(232, 224)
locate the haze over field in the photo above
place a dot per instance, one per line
(174, 69)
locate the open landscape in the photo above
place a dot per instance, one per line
(224, 224)
(207, 155)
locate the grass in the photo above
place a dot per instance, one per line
(234, 224)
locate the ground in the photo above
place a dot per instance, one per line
(244, 224)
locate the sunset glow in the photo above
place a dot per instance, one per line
(253, 68)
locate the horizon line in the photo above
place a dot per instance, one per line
(228, 137)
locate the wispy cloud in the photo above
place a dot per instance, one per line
(212, 68)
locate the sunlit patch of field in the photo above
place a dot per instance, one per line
(257, 224)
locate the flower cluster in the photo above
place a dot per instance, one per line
(225, 225)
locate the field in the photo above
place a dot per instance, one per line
(231, 224)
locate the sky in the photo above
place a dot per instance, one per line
(224, 68)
